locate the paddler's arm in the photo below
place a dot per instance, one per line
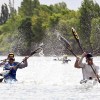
(3, 62)
(76, 65)
(6, 67)
(83, 55)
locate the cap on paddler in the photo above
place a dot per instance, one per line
(89, 56)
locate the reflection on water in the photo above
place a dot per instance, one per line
(46, 79)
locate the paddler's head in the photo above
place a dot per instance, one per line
(11, 57)
(89, 58)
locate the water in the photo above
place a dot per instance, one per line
(46, 79)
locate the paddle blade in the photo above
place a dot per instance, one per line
(77, 38)
(4, 60)
(65, 42)
(75, 34)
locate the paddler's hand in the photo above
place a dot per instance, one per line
(5, 60)
(13, 67)
(84, 54)
(25, 59)
(77, 58)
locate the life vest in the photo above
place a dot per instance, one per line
(12, 73)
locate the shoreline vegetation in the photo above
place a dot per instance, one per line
(22, 31)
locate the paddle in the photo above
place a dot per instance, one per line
(4, 60)
(78, 41)
(77, 38)
(67, 44)
(32, 53)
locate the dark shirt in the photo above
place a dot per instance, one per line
(12, 74)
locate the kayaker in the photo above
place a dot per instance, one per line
(11, 55)
(11, 66)
(87, 71)
(65, 59)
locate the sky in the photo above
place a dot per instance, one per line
(71, 4)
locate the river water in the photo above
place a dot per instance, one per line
(47, 79)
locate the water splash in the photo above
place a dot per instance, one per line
(57, 34)
(41, 52)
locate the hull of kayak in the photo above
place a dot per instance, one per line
(89, 83)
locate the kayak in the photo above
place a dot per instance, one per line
(89, 83)
(88, 80)
(3, 73)
(1, 78)
(64, 61)
(10, 81)
(7, 80)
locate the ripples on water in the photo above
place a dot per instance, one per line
(46, 79)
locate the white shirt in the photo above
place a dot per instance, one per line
(88, 71)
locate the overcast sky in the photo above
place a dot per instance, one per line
(71, 4)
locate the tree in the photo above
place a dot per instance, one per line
(4, 14)
(25, 36)
(59, 8)
(28, 6)
(87, 12)
(95, 32)
(97, 10)
(39, 25)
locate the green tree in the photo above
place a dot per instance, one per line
(87, 12)
(25, 36)
(39, 25)
(27, 7)
(95, 33)
(97, 10)
(59, 8)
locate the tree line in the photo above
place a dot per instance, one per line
(34, 23)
